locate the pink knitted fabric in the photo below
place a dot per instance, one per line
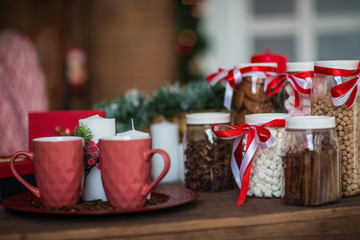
(22, 89)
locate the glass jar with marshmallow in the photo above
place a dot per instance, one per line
(266, 164)
(297, 88)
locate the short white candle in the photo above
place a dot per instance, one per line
(165, 136)
(132, 134)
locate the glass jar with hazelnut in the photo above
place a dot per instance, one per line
(334, 94)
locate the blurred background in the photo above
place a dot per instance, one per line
(91, 50)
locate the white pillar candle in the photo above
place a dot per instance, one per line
(100, 127)
(165, 136)
(181, 163)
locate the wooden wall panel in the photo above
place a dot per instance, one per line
(132, 46)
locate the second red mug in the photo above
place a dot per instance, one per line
(126, 170)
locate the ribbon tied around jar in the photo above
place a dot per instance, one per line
(232, 77)
(346, 91)
(235, 76)
(257, 136)
(298, 81)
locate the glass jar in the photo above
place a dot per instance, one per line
(347, 122)
(304, 109)
(266, 165)
(310, 161)
(250, 96)
(207, 157)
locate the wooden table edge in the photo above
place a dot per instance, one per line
(191, 225)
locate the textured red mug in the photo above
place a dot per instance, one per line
(126, 170)
(58, 169)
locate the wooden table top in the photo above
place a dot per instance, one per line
(212, 216)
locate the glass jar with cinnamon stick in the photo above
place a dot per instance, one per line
(311, 161)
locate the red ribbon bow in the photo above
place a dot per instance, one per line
(257, 135)
(347, 91)
(232, 76)
(266, 71)
(235, 75)
(298, 82)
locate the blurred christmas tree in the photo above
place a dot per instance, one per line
(190, 41)
(131, 105)
(166, 101)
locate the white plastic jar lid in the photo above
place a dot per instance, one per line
(207, 118)
(260, 118)
(265, 64)
(299, 66)
(340, 64)
(310, 122)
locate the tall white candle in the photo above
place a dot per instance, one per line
(100, 127)
(181, 163)
(165, 136)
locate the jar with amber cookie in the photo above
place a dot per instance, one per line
(250, 96)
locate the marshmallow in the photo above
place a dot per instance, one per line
(289, 89)
(287, 105)
(291, 100)
(258, 192)
(273, 166)
(261, 176)
(267, 162)
(277, 194)
(277, 160)
(268, 179)
(268, 194)
(269, 172)
(266, 169)
(275, 188)
(277, 174)
(263, 188)
(275, 181)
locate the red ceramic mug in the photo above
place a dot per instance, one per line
(58, 169)
(126, 170)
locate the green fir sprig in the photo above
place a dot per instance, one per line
(83, 131)
(91, 150)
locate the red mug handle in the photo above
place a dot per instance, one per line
(165, 156)
(30, 155)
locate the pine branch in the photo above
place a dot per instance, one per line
(83, 131)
